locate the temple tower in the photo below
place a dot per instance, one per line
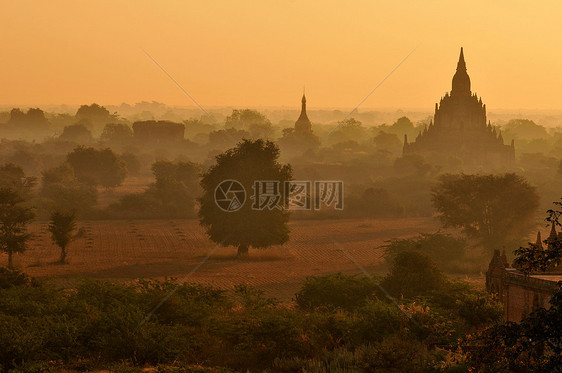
(459, 129)
(303, 124)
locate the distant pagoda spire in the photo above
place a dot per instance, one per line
(461, 80)
(303, 124)
(539, 240)
(553, 235)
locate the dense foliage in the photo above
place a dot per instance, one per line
(484, 206)
(122, 326)
(448, 251)
(248, 226)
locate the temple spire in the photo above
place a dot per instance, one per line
(539, 240)
(461, 80)
(461, 65)
(553, 235)
(303, 124)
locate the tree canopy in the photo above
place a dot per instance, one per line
(13, 177)
(252, 121)
(61, 226)
(77, 133)
(97, 167)
(248, 162)
(13, 223)
(60, 189)
(492, 208)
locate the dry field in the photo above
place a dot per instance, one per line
(126, 250)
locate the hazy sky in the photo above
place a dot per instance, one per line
(260, 53)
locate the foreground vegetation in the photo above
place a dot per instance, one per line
(337, 323)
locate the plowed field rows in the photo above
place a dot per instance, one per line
(126, 250)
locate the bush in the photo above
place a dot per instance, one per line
(479, 309)
(474, 307)
(336, 291)
(442, 248)
(340, 326)
(412, 274)
(14, 277)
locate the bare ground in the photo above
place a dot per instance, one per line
(126, 250)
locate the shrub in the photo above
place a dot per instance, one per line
(412, 274)
(335, 290)
(440, 247)
(10, 277)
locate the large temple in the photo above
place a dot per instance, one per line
(459, 129)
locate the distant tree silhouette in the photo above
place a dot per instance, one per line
(34, 116)
(248, 162)
(222, 139)
(388, 141)
(29, 159)
(77, 133)
(61, 190)
(33, 123)
(97, 167)
(403, 125)
(523, 129)
(412, 164)
(349, 129)
(61, 226)
(252, 121)
(13, 223)
(171, 196)
(492, 208)
(117, 133)
(132, 163)
(95, 114)
(13, 177)
(185, 172)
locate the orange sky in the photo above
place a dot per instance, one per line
(260, 53)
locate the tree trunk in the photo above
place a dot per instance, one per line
(63, 255)
(10, 262)
(243, 251)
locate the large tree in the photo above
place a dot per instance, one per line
(492, 208)
(13, 223)
(61, 226)
(247, 225)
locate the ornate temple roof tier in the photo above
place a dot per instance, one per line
(459, 128)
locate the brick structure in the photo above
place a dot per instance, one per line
(521, 293)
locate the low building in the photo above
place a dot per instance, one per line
(521, 293)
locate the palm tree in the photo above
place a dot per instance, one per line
(61, 226)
